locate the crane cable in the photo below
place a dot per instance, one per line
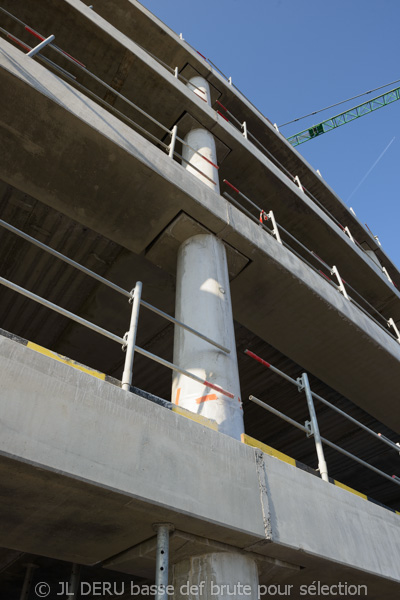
(338, 103)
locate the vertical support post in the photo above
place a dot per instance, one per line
(171, 149)
(74, 581)
(130, 337)
(304, 384)
(275, 229)
(40, 46)
(387, 274)
(27, 581)
(347, 230)
(342, 289)
(244, 127)
(162, 559)
(230, 80)
(176, 72)
(391, 323)
(298, 183)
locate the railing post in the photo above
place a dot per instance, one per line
(342, 289)
(392, 324)
(162, 559)
(244, 127)
(74, 582)
(387, 274)
(275, 229)
(40, 46)
(130, 337)
(305, 385)
(27, 581)
(171, 148)
(347, 231)
(298, 183)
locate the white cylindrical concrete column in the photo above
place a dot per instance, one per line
(201, 146)
(217, 576)
(203, 302)
(201, 141)
(201, 87)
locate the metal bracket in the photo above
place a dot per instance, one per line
(300, 382)
(310, 429)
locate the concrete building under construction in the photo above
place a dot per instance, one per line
(200, 347)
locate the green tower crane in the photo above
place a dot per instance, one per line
(345, 117)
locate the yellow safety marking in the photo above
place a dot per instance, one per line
(246, 439)
(66, 361)
(195, 417)
(349, 489)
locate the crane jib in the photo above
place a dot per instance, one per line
(345, 117)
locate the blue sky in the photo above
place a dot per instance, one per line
(291, 57)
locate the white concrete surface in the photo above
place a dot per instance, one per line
(100, 465)
(203, 301)
(215, 576)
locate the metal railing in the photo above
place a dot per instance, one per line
(170, 149)
(128, 340)
(242, 126)
(48, 43)
(278, 231)
(311, 427)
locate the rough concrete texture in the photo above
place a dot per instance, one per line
(99, 165)
(99, 466)
(217, 576)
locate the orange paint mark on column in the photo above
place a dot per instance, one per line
(205, 398)
(178, 393)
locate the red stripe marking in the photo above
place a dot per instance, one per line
(74, 59)
(202, 55)
(218, 389)
(206, 398)
(223, 116)
(221, 105)
(209, 161)
(231, 186)
(35, 33)
(342, 227)
(17, 41)
(201, 98)
(326, 276)
(257, 358)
